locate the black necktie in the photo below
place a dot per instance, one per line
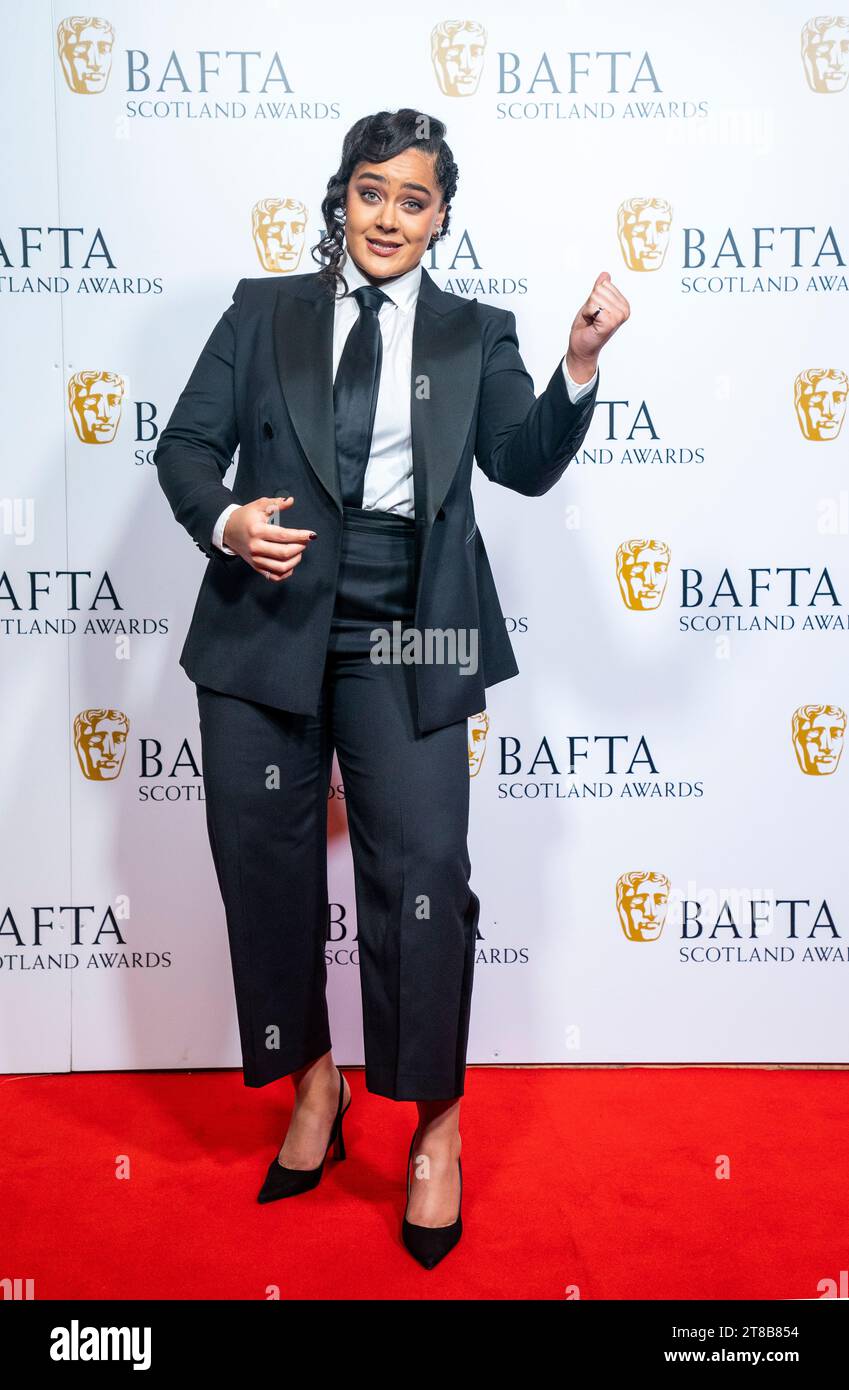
(355, 394)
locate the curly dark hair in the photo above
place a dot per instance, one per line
(375, 139)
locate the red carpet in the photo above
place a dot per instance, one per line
(596, 1178)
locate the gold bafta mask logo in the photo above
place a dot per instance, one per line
(94, 400)
(478, 729)
(100, 738)
(825, 52)
(643, 226)
(818, 734)
(457, 49)
(641, 900)
(279, 227)
(642, 567)
(85, 52)
(819, 395)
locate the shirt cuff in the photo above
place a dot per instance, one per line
(218, 529)
(577, 390)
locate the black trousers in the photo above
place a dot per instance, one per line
(266, 774)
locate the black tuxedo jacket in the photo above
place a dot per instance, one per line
(264, 382)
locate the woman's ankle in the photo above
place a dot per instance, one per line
(317, 1075)
(439, 1125)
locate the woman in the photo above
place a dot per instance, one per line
(360, 396)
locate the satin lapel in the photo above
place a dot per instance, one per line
(303, 343)
(445, 376)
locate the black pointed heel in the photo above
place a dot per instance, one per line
(430, 1244)
(291, 1182)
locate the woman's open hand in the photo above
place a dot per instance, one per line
(269, 548)
(591, 330)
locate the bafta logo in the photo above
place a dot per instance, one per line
(278, 226)
(641, 900)
(818, 734)
(94, 400)
(457, 49)
(478, 727)
(825, 52)
(85, 52)
(642, 226)
(819, 395)
(642, 567)
(100, 738)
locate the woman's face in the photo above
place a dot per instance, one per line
(396, 203)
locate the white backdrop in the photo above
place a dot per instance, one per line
(730, 121)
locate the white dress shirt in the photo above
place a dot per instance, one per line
(388, 482)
